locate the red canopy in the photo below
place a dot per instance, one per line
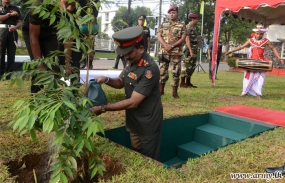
(262, 11)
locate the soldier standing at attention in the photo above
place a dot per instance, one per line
(11, 16)
(171, 34)
(190, 53)
(146, 33)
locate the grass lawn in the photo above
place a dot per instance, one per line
(109, 55)
(249, 156)
(105, 55)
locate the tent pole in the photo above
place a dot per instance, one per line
(201, 49)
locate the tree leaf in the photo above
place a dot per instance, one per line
(94, 171)
(88, 145)
(86, 125)
(80, 147)
(20, 83)
(73, 162)
(19, 122)
(32, 120)
(90, 129)
(67, 140)
(55, 179)
(63, 178)
(69, 104)
(68, 171)
(33, 135)
(42, 13)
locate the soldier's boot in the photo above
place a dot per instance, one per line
(188, 84)
(174, 92)
(161, 88)
(182, 83)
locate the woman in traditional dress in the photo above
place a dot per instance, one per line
(253, 80)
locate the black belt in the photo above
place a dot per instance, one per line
(6, 25)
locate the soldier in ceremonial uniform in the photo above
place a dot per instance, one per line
(10, 16)
(171, 34)
(140, 79)
(190, 52)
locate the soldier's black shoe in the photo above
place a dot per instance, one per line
(276, 169)
(192, 86)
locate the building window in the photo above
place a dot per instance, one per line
(106, 16)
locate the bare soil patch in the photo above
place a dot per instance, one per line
(23, 168)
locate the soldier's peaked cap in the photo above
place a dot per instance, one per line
(141, 17)
(173, 8)
(127, 38)
(193, 15)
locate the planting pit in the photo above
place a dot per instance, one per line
(22, 169)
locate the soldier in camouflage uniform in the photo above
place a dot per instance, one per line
(171, 35)
(190, 52)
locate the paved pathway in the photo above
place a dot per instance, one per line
(108, 64)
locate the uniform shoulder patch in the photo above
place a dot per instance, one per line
(148, 74)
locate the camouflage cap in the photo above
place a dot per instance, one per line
(173, 8)
(127, 38)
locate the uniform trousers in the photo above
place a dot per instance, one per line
(175, 68)
(47, 44)
(148, 145)
(8, 44)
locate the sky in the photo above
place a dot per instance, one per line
(152, 4)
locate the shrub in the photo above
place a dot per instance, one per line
(232, 61)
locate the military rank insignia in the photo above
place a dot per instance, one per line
(133, 76)
(148, 74)
(145, 63)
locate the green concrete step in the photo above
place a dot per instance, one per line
(238, 124)
(216, 137)
(192, 150)
(174, 162)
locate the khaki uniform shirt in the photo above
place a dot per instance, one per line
(171, 32)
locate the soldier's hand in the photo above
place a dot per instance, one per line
(12, 29)
(101, 79)
(14, 13)
(167, 48)
(42, 67)
(96, 110)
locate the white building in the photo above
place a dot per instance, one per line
(107, 17)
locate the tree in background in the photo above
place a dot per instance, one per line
(101, 33)
(119, 22)
(234, 29)
(23, 6)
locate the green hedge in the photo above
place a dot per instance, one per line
(232, 61)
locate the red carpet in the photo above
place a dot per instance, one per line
(255, 113)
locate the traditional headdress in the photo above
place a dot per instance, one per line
(259, 28)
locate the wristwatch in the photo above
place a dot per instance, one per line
(172, 46)
(103, 109)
